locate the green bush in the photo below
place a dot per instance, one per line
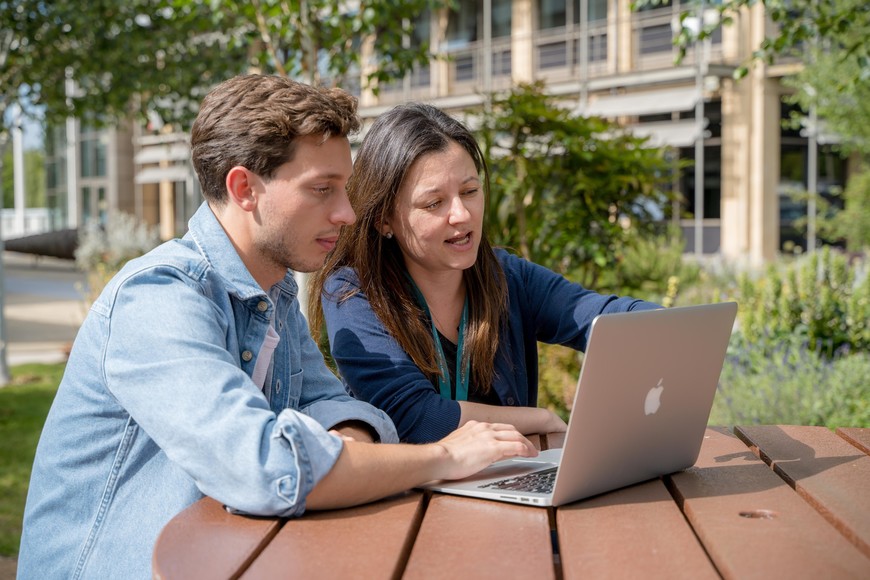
(791, 384)
(817, 299)
(800, 355)
(103, 250)
(652, 268)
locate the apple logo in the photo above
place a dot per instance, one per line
(653, 399)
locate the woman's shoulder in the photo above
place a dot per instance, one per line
(341, 278)
(508, 259)
(514, 266)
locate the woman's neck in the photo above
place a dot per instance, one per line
(445, 297)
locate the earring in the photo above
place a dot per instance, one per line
(389, 235)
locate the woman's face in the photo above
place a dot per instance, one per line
(438, 217)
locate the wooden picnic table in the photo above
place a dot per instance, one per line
(772, 501)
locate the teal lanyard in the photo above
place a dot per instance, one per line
(461, 369)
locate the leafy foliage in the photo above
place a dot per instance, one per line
(136, 56)
(567, 191)
(103, 250)
(797, 23)
(34, 178)
(818, 300)
(852, 223)
(652, 268)
(792, 384)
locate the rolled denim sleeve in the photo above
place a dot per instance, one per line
(183, 386)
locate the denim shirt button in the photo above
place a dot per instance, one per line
(510, 401)
(263, 306)
(247, 356)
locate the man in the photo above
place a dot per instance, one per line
(194, 373)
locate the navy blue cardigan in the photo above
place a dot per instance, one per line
(542, 306)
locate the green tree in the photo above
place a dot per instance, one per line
(135, 56)
(34, 178)
(568, 190)
(797, 24)
(831, 36)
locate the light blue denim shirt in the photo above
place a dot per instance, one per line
(157, 407)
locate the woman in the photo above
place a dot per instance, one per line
(425, 319)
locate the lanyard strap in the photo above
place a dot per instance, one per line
(462, 366)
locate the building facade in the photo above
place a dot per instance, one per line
(600, 58)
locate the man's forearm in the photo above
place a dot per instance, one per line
(365, 472)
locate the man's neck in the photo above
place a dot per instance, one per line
(265, 273)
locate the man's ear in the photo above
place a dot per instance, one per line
(240, 187)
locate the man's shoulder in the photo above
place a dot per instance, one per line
(176, 260)
(175, 255)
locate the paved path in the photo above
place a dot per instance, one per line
(43, 307)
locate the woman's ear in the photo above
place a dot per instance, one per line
(385, 229)
(240, 185)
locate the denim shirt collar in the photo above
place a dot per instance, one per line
(214, 244)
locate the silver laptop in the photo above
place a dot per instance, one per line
(641, 408)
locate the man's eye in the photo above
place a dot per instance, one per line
(471, 191)
(322, 190)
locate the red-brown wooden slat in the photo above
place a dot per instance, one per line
(752, 524)
(205, 541)
(857, 436)
(369, 541)
(537, 440)
(634, 532)
(832, 475)
(475, 538)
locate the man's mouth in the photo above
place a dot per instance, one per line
(328, 242)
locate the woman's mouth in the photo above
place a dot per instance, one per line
(462, 240)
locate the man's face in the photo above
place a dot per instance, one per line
(303, 207)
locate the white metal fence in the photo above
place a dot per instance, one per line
(34, 220)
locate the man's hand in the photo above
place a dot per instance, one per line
(475, 445)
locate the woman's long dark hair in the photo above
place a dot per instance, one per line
(395, 141)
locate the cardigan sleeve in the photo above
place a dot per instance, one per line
(559, 311)
(377, 370)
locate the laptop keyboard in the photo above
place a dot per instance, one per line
(535, 482)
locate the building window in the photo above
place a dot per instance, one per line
(596, 9)
(557, 13)
(93, 156)
(501, 18)
(462, 26)
(552, 14)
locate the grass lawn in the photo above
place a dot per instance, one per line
(24, 403)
